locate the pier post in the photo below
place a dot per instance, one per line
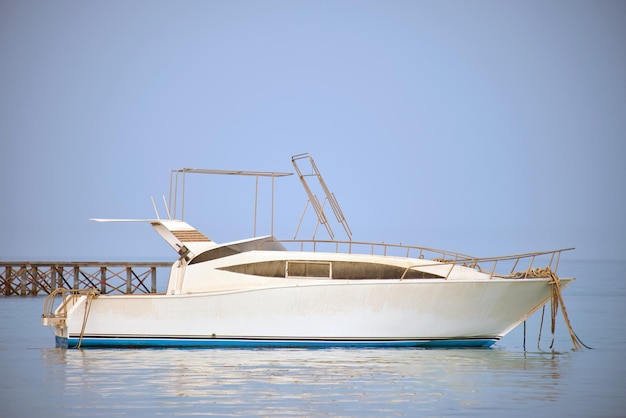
(23, 281)
(76, 277)
(59, 275)
(8, 272)
(103, 280)
(129, 278)
(53, 278)
(34, 289)
(153, 287)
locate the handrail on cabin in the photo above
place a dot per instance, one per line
(445, 257)
(476, 262)
(352, 246)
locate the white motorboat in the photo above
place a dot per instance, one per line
(310, 293)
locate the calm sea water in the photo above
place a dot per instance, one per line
(39, 380)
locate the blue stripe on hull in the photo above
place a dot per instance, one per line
(156, 342)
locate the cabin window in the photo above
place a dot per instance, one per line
(338, 270)
(319, 269)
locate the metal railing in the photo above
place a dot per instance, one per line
(371, 248)
(532, 270)
(489, 265)
(56, 316)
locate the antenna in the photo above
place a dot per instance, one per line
(155, 208)
(169, 217)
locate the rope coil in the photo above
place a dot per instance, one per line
(556, 299)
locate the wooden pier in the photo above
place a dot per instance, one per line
(22, 278)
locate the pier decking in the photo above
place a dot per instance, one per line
(29, 278)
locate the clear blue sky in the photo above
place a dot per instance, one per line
(485, 127)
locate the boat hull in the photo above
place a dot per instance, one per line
(409, 313)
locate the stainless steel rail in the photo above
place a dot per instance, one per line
(484, 264)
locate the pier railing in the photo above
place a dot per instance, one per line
(27, 278)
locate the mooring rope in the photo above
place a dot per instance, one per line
(90, 297)
(556, 300)
(543, 312)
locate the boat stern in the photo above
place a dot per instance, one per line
(57, 317)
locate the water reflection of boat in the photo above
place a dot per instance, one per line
(299, 382)
(310, 293)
